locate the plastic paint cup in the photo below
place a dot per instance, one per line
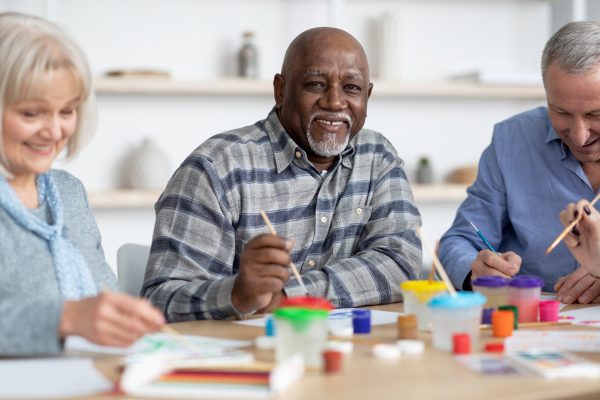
(515, 311)
(494, 288)
(407, 326)
(524, 292)
(460, 314)
(361, 321)
(416, 295)
(332, 361)
(302, 329)
(461, 343)
(549, 310)
(502, 323)
(486, 316)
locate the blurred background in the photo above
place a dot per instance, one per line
(167, 78)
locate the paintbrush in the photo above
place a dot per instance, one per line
(292, 265)
(569, 227)
(436, 262)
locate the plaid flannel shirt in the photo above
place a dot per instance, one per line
(354, 226)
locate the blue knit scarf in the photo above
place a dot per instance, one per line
(73, 275)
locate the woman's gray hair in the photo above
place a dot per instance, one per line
(575, 47)
(31, 50)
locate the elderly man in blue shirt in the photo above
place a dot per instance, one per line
(538, 162)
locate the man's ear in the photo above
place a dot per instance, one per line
(370, 89)
(278, 89)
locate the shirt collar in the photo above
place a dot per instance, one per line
(284, 147)
(552, 136)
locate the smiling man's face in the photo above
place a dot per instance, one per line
(322, 93)
(574, 110)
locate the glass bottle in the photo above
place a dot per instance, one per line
(248, 57)
(424, 171)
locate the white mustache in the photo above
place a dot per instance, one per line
(332, 116)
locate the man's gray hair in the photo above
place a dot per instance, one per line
(575, 47)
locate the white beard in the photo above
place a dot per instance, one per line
(328, 146)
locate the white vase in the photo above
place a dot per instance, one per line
(389, 67)
(147, 167)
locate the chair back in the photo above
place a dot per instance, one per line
(131, 267)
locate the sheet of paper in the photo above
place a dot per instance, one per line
(158, 342)
(588, 315)
(51, 378)
(581, 340)
(338, 318)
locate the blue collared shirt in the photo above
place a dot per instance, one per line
(526, 176)
(354, 226)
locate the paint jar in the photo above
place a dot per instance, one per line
(407, 327)
(494, 288)
(455, 314)
(549, 310)
(524, 292)
(416, 295)
(486, 315)
(361, 321)
(503, 322)
(301, 325)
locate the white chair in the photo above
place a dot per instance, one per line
(131, 267)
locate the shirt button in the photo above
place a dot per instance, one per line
(359, 211)
(298, 154)
(311, 263)
(323, 219)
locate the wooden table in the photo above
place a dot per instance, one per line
(435, 375)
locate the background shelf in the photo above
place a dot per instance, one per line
(248, 87)
(128, 199)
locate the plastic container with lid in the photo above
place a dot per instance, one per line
(301, 325)
(460, 314)
(416, 295)
(494, 288)
(524, 292)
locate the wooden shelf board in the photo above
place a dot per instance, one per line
(128, 199)
(248, 87)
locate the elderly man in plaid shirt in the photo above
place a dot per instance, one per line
(337, 196)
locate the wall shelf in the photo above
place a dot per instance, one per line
(132, 199)
(247, 87)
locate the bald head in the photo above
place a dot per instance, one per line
(322, 91)
(315, 39)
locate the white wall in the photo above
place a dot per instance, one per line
(199, 38)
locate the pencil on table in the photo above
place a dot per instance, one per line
(569, 227)
(292, 265)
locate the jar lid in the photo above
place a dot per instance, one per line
(462, 300)
(490, 281)
(526, 281)
(423, 286)
(300, 314)
(307, 302)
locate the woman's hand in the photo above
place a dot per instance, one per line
(110, 319)
(584, 239)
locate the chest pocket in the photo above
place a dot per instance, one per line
(349, 223)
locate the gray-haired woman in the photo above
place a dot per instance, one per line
(52, 264)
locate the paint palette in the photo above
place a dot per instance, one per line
(554, 364)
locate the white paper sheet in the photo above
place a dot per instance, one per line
(581, 340)
(339, 318)
(50, 378)
(156, 342)
(588, 315)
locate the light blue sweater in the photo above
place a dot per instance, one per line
(30, 300)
